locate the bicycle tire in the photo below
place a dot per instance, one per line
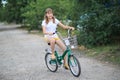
(74, 65)
(51, 64)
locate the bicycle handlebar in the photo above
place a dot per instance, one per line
(69, 33)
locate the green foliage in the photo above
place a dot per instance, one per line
(2, 14)
(34, 12)
(98, 24)
(30, 16)
(12, 11)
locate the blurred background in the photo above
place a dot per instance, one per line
(97, 22)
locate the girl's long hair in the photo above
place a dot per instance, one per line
(46, 18)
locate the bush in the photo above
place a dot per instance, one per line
(31, 17)
(97, 27)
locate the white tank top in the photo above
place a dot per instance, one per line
(50, 27)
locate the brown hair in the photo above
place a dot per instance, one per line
(46, 18)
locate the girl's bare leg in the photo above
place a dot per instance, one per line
(52, 45)
(63, 47)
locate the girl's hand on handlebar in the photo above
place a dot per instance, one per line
(72, 28)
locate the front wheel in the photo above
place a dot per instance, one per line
(74, 66)
(51, 64)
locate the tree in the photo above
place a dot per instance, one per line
(34, 12)
(12, 10)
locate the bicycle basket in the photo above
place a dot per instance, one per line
(72, 42)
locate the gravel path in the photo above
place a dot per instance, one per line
(22, 58)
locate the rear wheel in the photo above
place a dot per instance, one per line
(74, 66)
(51, 64)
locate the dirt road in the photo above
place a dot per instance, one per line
(22, 58)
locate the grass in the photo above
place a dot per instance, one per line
(109, 53)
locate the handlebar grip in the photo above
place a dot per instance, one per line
(69, 32)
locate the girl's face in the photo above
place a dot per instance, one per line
(49, 15)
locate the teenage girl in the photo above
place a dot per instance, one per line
(49, 25)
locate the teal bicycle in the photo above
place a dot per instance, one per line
(73, 62)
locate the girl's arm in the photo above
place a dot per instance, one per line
(65, 27)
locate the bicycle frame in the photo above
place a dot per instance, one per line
(60, 58)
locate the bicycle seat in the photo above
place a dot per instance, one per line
(49, 44)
